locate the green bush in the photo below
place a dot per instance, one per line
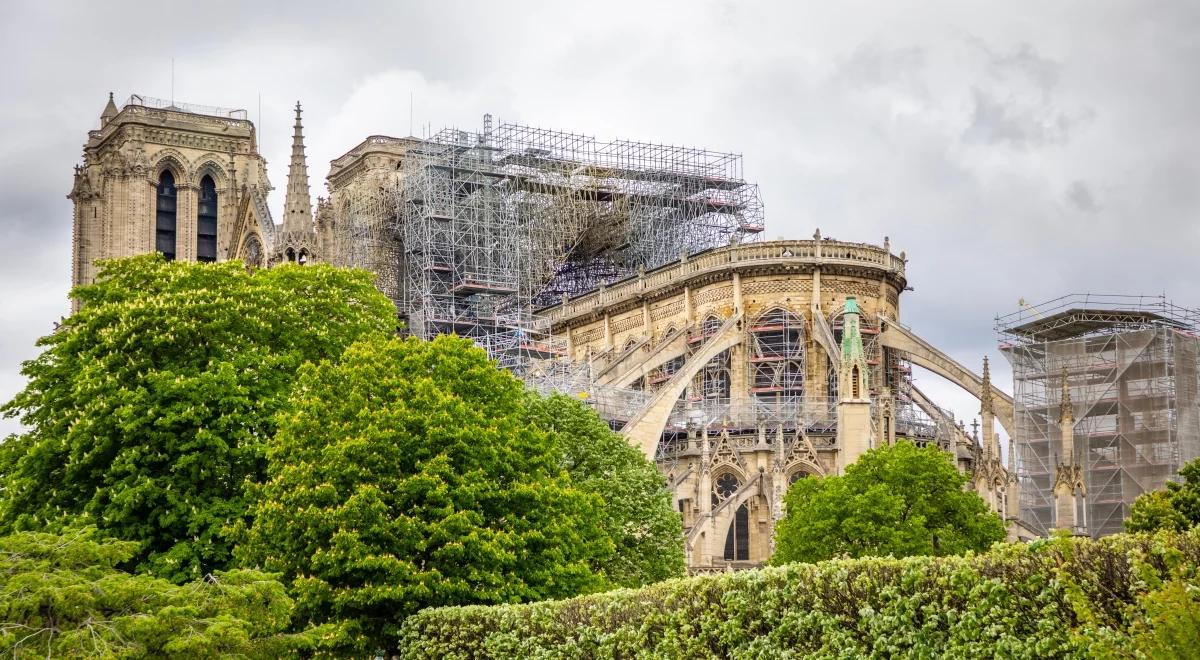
(1125, 596)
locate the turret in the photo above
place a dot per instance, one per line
(853, 374)
(110, 111)
(854, 400)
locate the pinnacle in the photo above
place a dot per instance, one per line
(297, 203)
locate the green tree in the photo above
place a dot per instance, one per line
(149, 409)
(407, 475)
(637, 514)
(1176, 507)
(899, 500)
(62, 597)
(1154, 511)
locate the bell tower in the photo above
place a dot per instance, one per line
(180, 179)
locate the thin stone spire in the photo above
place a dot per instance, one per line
(297, 204)
(1066, 413)
(985, 394)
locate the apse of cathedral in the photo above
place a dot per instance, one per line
(633, 281)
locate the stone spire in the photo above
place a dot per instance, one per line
(1066, 413)
(985, 390)
(110, 111)
(297, 204)
(991, 444)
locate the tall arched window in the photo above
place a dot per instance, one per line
(777, 357)
(164, 216)
(737, 540)
(206, 221)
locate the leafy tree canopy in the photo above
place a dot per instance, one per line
(1177, 507)
(64, 598)
(637, 514)
(150, 407)
(406, 475)
(899, 500)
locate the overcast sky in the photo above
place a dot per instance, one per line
(1012, 149)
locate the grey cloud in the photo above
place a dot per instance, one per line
(996, 121)
(1081, 197)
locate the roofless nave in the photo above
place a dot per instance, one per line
(625, 273)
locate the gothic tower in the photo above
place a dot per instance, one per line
(854, 399)
(298, 238)
(183, 180)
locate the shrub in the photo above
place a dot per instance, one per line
(1059, 597)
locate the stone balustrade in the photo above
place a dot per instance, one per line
(784, 253)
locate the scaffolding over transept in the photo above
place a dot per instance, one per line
(494, 224)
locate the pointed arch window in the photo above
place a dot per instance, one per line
(164, 215)
(206, 221)
(737, 540)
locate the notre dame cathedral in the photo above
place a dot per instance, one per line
(737, 366)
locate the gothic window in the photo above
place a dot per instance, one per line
(724, 487)
(777, 356)
(857, 392)
(164, 216)
(797, 476)
(737, 541)
(713, 381)
(252, 254)
(206, 221)
(291, 255)
(303, 258)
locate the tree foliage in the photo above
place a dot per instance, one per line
(150, 407)
(406, 475)
(1176, 507)
(899, 500)
(62, 597)
(637, 515)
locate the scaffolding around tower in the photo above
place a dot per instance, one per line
(494, 224)
(1130, 364)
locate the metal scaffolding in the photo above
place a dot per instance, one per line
(495, 224)
(1130, 365)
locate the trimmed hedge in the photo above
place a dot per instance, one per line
(1128, 595)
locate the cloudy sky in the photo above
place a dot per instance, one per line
(1013, 150)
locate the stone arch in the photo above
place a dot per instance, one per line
(251, 251)
(801, 468)
(209, 165)
(177, 163)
